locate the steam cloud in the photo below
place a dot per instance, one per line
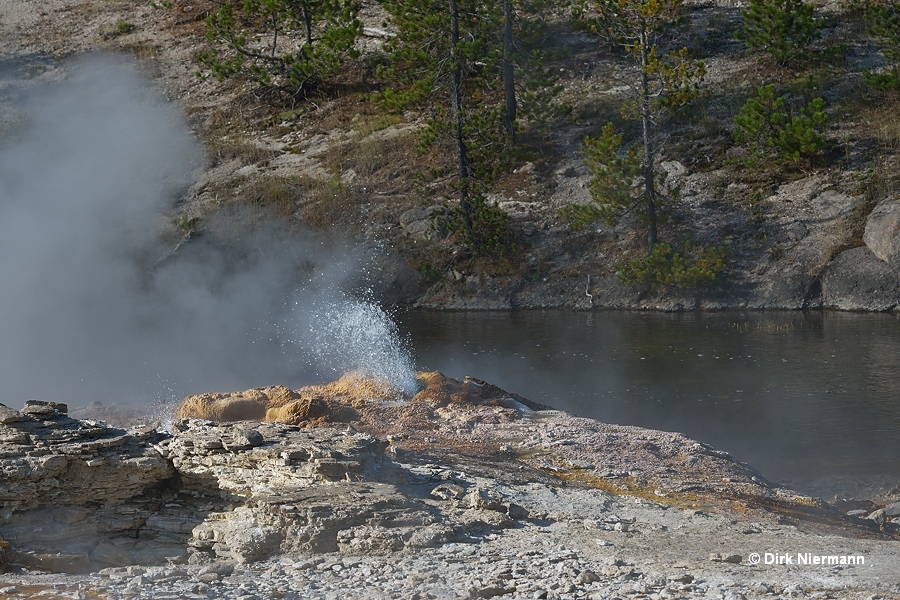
(87, 311)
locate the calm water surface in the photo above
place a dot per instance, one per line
(801, 396)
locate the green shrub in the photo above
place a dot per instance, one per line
(617, 183)
(119, 29)
(486, 231)
(882, 19)
(783, 28)
(288, 46)
(691, 268)
(580, 216)
(793, 131)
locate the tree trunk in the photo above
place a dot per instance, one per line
(307, 24)
(649, 151)
(509, 81)
(457, 112)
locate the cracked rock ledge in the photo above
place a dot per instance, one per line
(349, 490)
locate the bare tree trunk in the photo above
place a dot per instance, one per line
(649, 150)
(509, 81)
(457, 112)
(307, 24)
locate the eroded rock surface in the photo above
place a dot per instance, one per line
(882, 233)
(49, 458)
(462, 490)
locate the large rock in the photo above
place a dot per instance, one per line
(74, 495)
(438, 391)
(49, 459)
(216, 458)
(857, 280)
(312, 411)
(882, 234)
(312, 405)
(340, 400)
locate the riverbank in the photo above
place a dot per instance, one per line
(807, 239)
(462, 491)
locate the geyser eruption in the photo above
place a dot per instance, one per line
(349, 334)
(89, 312)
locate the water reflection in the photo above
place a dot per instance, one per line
(799, 395)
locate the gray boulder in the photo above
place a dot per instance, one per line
(882, 234)
(857, 280)
(892, 510)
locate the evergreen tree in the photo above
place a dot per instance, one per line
(461, 61)
(883, 24)
(793, 129)
(783, 28)
(660, 83)
(290, 46)
(529, 87)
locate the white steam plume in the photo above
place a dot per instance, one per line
(84, 313)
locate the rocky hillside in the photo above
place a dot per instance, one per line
(462, 490)
(819, 233)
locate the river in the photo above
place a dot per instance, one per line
(811, 399)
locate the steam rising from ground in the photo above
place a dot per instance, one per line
(88, 312)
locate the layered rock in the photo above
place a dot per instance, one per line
(249, 460)
(457, 461)
(49, 459)
(75, 493)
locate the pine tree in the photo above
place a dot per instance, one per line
(660, 82)
(287, 46)
(783, 28)
(794, 130)
(883, 25)
(462, 62)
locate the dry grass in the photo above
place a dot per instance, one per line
(369, 156)
(318, 202)
(326, 203)
(278, 193)
(238, 147)
(883, 123)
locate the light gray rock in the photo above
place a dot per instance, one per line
(448, 491)
(8, 415)
(222, 569)
(51, 460)
(857, 280)
(420, 222)
(878, 516)
(882, 234)
(369, 540)
(485, 499)
(892, 510)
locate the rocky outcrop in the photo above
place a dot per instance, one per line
(882, 234)
(341, 401)
(49, 459)
(235, 406)
(857, 280)
(245, 461)
(75, 493)
(461, 461)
